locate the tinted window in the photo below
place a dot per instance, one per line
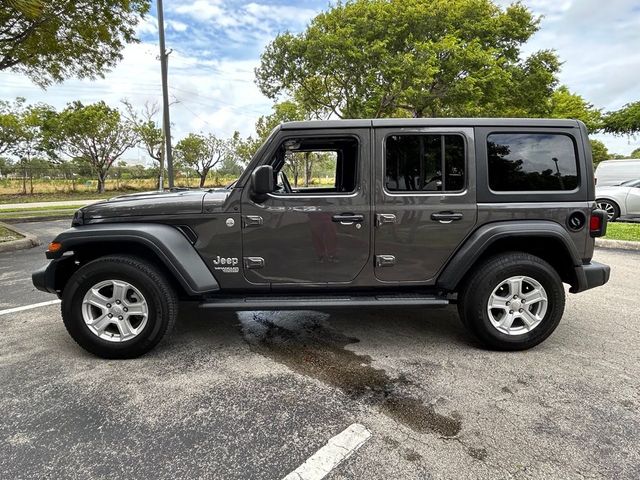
(531, 162)
(417, 163)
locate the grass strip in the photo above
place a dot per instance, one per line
(7, 235)
(623, 231)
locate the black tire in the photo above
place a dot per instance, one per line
(610, 207)
(474, 296)
(161, 300)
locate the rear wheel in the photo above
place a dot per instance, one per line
(118, 306)
(512, 301)
(609, 206)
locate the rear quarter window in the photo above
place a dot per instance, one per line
(530, 162)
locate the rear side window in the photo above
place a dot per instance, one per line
(525, 162)
(424, 163)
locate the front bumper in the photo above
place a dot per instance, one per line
(591, 275)
(50, 277)
(44, 278)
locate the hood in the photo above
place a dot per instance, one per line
(147, 204)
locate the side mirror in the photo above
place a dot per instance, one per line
(262, 180)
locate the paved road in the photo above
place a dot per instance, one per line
(16, 267)
(253, 395)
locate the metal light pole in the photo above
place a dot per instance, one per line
(166, 123)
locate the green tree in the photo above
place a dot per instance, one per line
(6, 166)
(95, 133)
(599, 151)
(564, 104)
(144, 123)
(376, 58)
(52, 40)
(201, 153)
(9, 123)
(625, 121)
(635, 153)
(150, 135)
(30, 139)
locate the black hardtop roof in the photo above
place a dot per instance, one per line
(433, 122)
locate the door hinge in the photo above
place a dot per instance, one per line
(382, 218)
(253, 263)
(385, 260)
(252, 220)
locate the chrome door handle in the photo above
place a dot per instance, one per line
(446, 217)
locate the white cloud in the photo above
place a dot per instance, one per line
(207, 96)
(176, 25)
(201, 9)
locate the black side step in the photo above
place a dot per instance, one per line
(305, 302)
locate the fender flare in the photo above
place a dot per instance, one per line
(480, 240)
(166, 242)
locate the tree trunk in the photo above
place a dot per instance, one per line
(203, 178)
(308, 166)
(101, 181)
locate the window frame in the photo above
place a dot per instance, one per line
(301, 134)
(533, 192)
(402, 193)
(584, 193)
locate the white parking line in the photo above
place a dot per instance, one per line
(28, 307)
(337, 449)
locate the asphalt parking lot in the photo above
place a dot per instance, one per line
(253, 395)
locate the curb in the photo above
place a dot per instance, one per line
(29, 241)
(617, 244)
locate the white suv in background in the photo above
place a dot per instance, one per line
(619, 200)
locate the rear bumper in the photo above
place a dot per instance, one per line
(591, 275)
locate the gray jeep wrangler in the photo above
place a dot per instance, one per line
(491, 214)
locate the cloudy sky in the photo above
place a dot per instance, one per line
(216, 45)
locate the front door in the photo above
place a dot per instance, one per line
(315, 228)
(425, 201)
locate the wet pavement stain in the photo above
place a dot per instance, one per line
(302, 342)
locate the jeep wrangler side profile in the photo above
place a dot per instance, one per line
(492, 214)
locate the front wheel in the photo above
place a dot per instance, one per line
(512, 301)
(118, 306)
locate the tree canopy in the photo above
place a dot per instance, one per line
(201, 153)
(625, 121)
(564, 104)
(96, 133)
(52, 40)
(376, 58)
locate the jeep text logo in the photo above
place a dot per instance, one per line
(231, 261)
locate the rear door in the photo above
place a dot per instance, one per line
(425, 200)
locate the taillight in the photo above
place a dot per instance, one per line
(598, 223)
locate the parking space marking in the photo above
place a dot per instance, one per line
(337, 449)
(28, 307)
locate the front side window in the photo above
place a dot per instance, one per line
(524, 162)
(308, 165)
(424, 163)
